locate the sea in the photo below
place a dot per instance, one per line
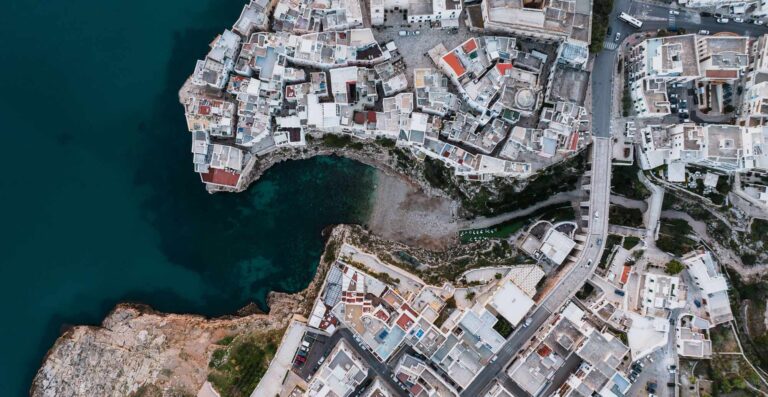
(99, 203)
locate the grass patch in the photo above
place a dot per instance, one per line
(758, 231)
(238, 368)
(552, 213)
(673, 236)
(500, 231)
(673, 267)
(385, 142)
(723, 340)
(585, 291)
(611, 241)
(509, 195)
(624, 182)
(503, 327)
(437, 174)
(624, 216)
(630, 242)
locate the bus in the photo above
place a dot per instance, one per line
(630, 20)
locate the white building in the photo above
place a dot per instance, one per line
(656, 62)
(511, 303)
(547, 19)
(712, 286)
(660, 294)
(214, 70)
(418, 10)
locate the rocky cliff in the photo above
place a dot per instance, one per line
(140, 352)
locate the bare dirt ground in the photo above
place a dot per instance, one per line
(405, 213)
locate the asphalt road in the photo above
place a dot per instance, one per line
(375, 367)
(603, 72)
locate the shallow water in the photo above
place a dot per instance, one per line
(99, 200)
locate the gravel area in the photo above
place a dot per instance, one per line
(414, 48)
(403, 212)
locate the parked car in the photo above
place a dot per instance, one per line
(703, 32)
(739, 20)
(758, 22)
(722, 20)
(618, 292)
(697, 303)
(674, 12)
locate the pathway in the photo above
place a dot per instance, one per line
(483, 222)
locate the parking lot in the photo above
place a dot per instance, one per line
(319, 347)
(414, 47)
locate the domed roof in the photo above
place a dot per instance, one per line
(525, 99)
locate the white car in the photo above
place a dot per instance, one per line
(722, 20)
(674, 12)
(703, 32)
(618, 36)
(739, 20)
(758, 22)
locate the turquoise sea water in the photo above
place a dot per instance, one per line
(98, 201)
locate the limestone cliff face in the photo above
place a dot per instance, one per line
(138, 351)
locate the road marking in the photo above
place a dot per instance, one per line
(609, 45)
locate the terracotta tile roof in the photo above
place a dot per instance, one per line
(469, 45)
(503, 67)
(221, 177)
(625, 274)
(722, 74)
(453, 61)
(404, 321)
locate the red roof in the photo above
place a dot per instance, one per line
(625, 274)
(204, 110)
(722, 74)
(503, 67)
(409, 310)
(453, 61)
(404, 321)
(469, 45)
(381, 315)
(544, 351)
(574, 140)
(371, 116)
(218, 176)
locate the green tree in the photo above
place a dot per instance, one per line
(674, 267)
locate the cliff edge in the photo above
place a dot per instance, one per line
(138, 351)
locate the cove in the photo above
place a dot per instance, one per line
(98, 200)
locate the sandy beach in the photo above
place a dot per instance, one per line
(403, 212)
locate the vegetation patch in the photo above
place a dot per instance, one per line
(601, 9)
(585, 291)
(237, 369)
(610, 242)
(630, 242)
(723, 340)
(553, 213)
(505, 195)
(673, 237)
(624, 216)
(624, 182)
(674, 267)
(503, 327)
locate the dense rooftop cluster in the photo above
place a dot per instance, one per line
(487, 108)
